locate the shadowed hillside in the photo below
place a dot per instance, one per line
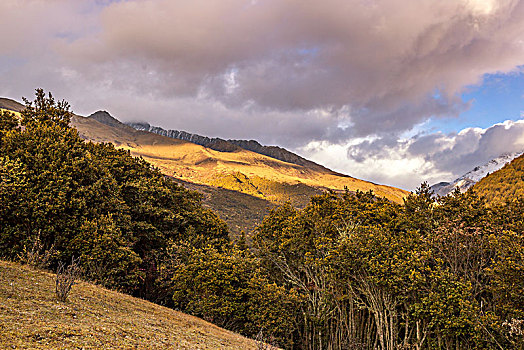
(241, 211)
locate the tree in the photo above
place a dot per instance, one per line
(46, 109)
(228, 288)
(92, 201)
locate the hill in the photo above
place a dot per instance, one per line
(195, 163)
(505, 184)
(95, 318)
(6, 103)
(475, 175)
(266, 176)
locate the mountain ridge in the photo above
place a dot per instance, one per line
(223, 145)
(472, 177)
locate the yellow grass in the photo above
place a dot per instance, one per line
(10, 111)
(197, 164)
(95, 318)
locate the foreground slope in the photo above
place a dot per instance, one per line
(95, 318)
(505, 184)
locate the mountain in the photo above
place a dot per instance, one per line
(95, 318)
(185, 157)
(505, 184)
(222, 145)
(472, 177)
(12, 105)
(222, 169)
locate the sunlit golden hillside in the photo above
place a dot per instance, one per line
(194, 163)
(240, 170)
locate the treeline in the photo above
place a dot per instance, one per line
(348, 271)
(445, 274)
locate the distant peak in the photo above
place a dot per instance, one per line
(475, 175)
(101, 114)
(105, 118)
(7, 103)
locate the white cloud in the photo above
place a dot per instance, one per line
(481, 7)
(432, 157)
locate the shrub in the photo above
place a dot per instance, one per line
(65, 278)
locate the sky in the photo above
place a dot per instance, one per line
(390, 91)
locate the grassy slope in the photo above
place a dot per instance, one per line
(95, 318)
(241, 211)
(504, 184)
(197, 164)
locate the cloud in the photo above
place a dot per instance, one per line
(393, 64)
(213, 118)
(431, 157)
(380, 66)
(31, 27)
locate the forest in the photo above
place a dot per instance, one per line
(348, 271)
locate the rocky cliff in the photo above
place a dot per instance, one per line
(222, 145)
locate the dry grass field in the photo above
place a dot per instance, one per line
(95, 318)
(197, 164)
